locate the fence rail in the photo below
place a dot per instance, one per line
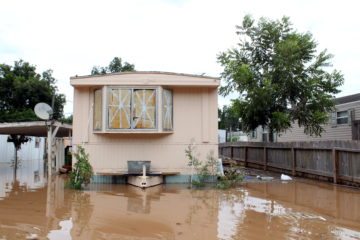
(336, 160)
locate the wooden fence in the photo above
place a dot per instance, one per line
(338, 161)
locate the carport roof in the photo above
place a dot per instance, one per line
(36, 129)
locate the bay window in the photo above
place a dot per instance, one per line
(133, 108)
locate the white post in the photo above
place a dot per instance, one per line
(49, 150)
(144, 170)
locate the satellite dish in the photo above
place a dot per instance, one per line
(43, 111)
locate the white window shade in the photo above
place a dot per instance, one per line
(167, 110)
(97, 122)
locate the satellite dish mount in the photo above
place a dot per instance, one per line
(45, 112)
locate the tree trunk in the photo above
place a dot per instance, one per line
(15, 164)
(16, 159)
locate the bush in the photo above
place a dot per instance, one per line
(233, 176)
(83, 171)
(205, 171)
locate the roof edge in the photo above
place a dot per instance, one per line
(145, 72)
(34, 123)
(347, 99)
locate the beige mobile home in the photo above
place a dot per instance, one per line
(145, 116)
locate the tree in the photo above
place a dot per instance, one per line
(115, 65)
(67, 120)
(229, 118)
(281, 77)
(21, 88)
(17, 140)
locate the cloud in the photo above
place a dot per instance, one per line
(71, 37)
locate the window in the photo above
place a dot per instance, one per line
(253, 134)
(37, 142)
(265, 137)
(167, 110)
(342, 117)
(97, 124)
(130, 108)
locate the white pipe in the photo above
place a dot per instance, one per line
(144, 170)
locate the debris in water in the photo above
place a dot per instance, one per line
(285, 177)
(264, 178)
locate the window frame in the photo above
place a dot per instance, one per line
(132, 88)
(346, 117)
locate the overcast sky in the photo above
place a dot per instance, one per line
(185, 36)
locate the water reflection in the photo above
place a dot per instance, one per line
(305, 210)
(275, 210)
(63, 233)
(30, 175)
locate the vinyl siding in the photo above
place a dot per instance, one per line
(332, 132)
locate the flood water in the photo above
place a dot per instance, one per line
(276, 210)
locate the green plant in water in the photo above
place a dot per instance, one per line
(205, 171)
(193, 161)
(83, 171)
(232, 178)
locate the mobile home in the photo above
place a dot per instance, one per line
(145, 116)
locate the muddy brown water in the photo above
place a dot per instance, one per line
(275, 210)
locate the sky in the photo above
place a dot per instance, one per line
(184, 36)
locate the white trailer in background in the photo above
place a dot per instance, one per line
(36, 148)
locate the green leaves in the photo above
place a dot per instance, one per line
(281, 75)
(83, 171)
(206, 171)
(17, 140)
(115, 65)
(21, 88)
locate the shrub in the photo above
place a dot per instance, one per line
(205, 171)
(83, 171)
(233, 176)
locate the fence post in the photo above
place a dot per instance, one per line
(335, 157)
(245, 158)
(231, 152)
(293, 158)
(265, 158)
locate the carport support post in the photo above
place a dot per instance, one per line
(49, 149)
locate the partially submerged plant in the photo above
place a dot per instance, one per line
(193, 161)
(232, 178)
(83, 171)
(205, 171)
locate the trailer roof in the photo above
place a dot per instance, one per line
(36, 129)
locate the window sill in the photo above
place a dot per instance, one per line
(123, 132)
